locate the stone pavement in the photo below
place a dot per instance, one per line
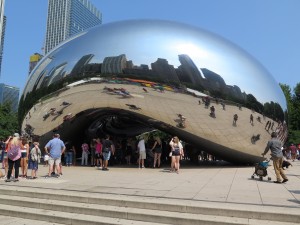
(204, 183)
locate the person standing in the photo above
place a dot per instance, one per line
(55, 148)
(98, 154)
(70, 151)
(157, 147)
(142, 152)
(24, 157)
(277, 156)
(177, 152)
(93, 149)
(251, 119)
(107, 150)
(34, 159)
(14, 156)
(85, 154)
(293, 150)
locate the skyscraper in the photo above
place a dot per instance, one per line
(2, 30)
(9, 94)
(34, 59)
(68, 17)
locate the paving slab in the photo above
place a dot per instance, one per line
(216, 184)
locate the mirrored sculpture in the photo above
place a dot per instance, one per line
(130, 77)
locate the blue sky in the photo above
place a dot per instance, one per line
(267, 29)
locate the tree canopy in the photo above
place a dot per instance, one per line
(8, 121)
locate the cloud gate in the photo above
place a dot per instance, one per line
(130, 77)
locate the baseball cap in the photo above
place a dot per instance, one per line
(16, 135)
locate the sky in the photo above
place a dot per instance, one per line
(269, 30)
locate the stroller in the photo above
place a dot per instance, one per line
(261, 170)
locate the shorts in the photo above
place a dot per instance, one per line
(157, 150)
(46, 157)
(55, 161)
(176, 153)
(142, 155)
(5, 155)
(98, 156)
(23, 154)
(106, 155)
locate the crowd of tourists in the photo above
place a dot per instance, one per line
(21, 158)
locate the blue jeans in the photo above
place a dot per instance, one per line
(69, 158)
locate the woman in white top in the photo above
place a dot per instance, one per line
(177, 153)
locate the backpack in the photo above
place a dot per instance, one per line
(13, 152)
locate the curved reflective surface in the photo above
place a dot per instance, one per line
(134, 76)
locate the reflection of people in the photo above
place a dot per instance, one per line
(235, 118)
(277, 156)
(212, 112)
(251, 119)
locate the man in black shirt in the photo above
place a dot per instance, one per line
(107, 150)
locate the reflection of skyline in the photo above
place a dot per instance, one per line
(145, 41)
(186, 73)
(160, 70)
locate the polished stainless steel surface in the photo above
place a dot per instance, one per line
(162, 75)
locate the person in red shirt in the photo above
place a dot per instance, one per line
(293, 150)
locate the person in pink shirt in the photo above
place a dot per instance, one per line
(98, 153)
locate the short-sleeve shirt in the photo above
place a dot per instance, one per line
(55, 145)
(85, 147)
(141, 145)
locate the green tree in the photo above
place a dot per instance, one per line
(293, 105)
(8, 121)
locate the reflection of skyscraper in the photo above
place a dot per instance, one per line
(188, 71)
(114, 64)
(165, 71)
(68, 17)
(80, 65)
(2, 30)
(9, 94)
(34, 59)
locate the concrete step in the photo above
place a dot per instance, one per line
(79, 219)
(8, 220)
(60, 206)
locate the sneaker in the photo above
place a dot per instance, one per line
(8, 180)
(16, 180)
(285, 180)
(277, 182)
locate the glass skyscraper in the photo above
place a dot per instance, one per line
(68, 17)
(2, 30)
(9, 94)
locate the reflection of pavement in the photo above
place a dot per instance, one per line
(163, 107)
(212, 186)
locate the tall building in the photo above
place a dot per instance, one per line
(67, 18)
(2, 30)
(9, 94)
(34, 59)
